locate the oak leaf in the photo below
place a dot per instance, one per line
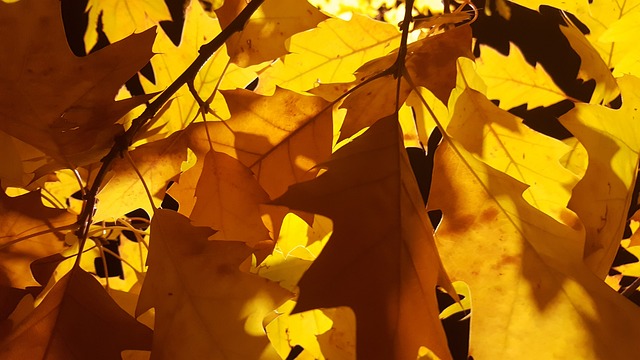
(281, 138)
(44, 104)
(602, 197)
(28, 231)
(378, 97)
(76, 320)
(514, 82)
(330, 53)
(171, 60)
(206, 307)
(228, 199)
(263, 36)
(381, 259)
(550, 304)
(157, 162)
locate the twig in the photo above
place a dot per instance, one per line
(123, 141)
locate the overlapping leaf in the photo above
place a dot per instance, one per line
(205, 305)
(28, 231)
(381, 260)
(77, 320)
(514, 82)
(330, 53)
(263, 36)
(171, 61)
(43, 103)
(532, 297)
(121, 18)
(377, 98)
(602, 197)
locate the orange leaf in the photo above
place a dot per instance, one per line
(206, 306)
(76, 320)
(381, 259)
(44, 102)
(228, 200)
(27, 234)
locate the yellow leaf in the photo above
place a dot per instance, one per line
(121, 18)
(206, 306)
(533, 298)
(592, 66)
(330, 53)
(157, 163)
(514, 82)
(602, 197)
(170, 61)
(502, 141)
(263, 36)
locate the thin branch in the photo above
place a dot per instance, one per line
(123, 141)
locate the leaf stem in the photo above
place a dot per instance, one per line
(123, 141)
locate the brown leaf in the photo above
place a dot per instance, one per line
(76, 320)
(53, 100)
(206, 306)
(27, 234)
(381, 259)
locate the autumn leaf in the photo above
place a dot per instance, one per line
(378, 97)
(263, 37)
(120, 18)
(281, 138)
(45, 105)
(205, 305)
(157, 163)
(381, 260)
(503, 142)
(532, 297)
(28, 231)
(330, 53)
(514, 82)
(171, 60)
(228, 200)
(76, 320)
(592, 66)
(602, 197)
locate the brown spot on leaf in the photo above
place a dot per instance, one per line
(488, 214)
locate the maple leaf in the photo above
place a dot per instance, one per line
(28, 231)
(263, 36)
(381, 259)
(228, 200)
(330, 53)
(206, 306)
(76, 320)
(602, 197)
(44, 104)
(550, 303)
(514, 82)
